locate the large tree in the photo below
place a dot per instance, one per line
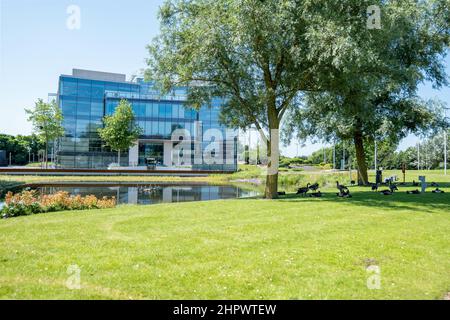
(254, 54)
(120, 131)
(47, 122)
(370, 90)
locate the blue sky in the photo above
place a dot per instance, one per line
(36, 46)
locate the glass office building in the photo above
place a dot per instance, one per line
(85, 97)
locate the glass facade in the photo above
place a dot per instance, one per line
(84, 103)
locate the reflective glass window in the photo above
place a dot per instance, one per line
(84, 88)
(98, 89)
(83, 108)
(69, 87)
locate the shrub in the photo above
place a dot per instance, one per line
(29, 202)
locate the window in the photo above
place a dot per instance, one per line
(84, 88)
(161, 110)
(68, 106)
(69, 124)
(109, 86)
(205, 115)
(148, 128)
(148, 110)
(161, 128)
(98, 89)
(155, 110)
(154, 131)
(82, 145)
(124, 87)
(139, 109)
(82, 128)
(83, 108)
(142, 125)
(95, 145)
(97, 109)
(111, 107)
(167, 129)
(181, 112)
(175, 111)
(69, 87)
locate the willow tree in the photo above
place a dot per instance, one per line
(254, 54)
(372, 92)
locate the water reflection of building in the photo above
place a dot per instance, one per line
(153, 194)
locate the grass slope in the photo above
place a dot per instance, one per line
(240, 249)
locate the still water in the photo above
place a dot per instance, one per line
(147, 194)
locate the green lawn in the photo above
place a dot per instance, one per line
(240, 249)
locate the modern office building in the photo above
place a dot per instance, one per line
(85, 97)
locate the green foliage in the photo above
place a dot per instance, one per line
(120, 131)
(370, 88)
(255, 54)
(47, 120)
(20, 146)
(286, 162)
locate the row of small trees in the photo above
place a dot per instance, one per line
(119, 131)
(23, 149)
(310, 67)
(428, 155)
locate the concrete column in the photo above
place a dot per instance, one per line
(134, 155)
(168, 156)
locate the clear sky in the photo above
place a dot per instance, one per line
(36, 46)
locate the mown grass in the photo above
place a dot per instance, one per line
(248, 174)
(292, 248)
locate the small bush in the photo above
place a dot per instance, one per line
(29, 202)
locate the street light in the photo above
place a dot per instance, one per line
(376, 155)
(334, 156)
(445, 139)
(418, 155)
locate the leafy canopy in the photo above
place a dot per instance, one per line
(120, 131)
(47, 120)
(373, 76)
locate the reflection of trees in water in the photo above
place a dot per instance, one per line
(151, 194)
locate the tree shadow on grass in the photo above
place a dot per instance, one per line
(427, 202)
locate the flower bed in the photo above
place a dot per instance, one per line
(30, 202)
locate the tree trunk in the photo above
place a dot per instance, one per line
(363, 178)
(118, 157)
(271, 191)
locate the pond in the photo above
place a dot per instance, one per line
(147, 194)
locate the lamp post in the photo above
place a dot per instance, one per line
(418, 156)
(334, 156)
(376, 154)
(343, 156)
(445, 140)
(445, 152)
